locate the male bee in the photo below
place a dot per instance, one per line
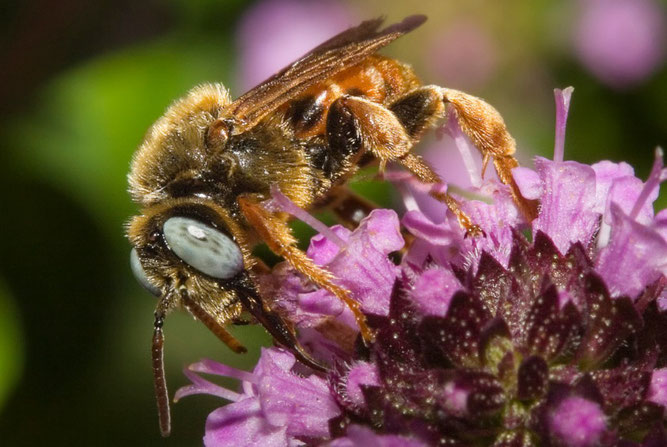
(206, 167)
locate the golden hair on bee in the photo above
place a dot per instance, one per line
(176, 141)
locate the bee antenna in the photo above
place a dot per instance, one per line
(159, 380)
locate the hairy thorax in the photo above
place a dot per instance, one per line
(305, 147)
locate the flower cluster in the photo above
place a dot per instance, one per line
(551, 332)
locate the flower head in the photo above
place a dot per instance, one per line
(550, 332)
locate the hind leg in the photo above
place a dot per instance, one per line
(390, 132)
(383, 135)
(481, 122)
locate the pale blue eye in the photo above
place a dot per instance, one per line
(203, 247)
(140, 273)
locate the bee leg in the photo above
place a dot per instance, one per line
(211, 323)
(278, 236)
(281, 331)
(482, 123)
(421, 108)
(384, 136)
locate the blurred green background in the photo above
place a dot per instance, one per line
(81, 83)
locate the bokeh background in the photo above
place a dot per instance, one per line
(81, 82)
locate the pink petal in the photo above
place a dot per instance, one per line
(651, 187)
(658, 389)
(528, 181)
(359, 436)
(242, 424)
(323, 249)
(361, 373)
(635, 248)
(568, 202)
(364, 267)
(433, 291)
(303, 404)
(563, 98)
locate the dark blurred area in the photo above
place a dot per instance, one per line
(82, 81)
(41, 37)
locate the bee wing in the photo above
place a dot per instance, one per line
(336, 54)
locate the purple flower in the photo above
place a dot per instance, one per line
(490, 206)
(621, 42)
(549, 332)
(272, 409)
(359, 259)
(433, 291)
(603, 205)
(350, 384)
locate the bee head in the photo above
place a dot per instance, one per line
(189, 244)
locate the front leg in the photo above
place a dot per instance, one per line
(278, 236)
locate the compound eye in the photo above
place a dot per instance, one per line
(140, 273)
(203, 247)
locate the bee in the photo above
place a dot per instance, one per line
(205, 169)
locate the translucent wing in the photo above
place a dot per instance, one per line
(344, 50)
